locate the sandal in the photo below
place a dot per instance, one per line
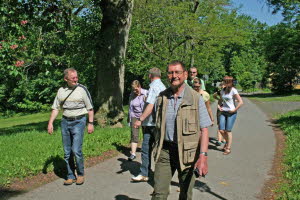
(227, 151)
(224, 148)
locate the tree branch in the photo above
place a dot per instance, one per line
(152, 51)
(180, 43)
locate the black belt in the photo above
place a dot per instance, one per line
(168, 144)
(73, 118)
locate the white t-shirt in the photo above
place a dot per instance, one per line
(228, 99)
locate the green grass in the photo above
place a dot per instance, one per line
(27, 149)
(268, 98)
(290, 124)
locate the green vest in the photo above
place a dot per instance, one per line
(188, 129)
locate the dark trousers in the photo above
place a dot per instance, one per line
(165, 168)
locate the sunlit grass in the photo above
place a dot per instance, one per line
(290, 124)
(27, 149)
(268, 98)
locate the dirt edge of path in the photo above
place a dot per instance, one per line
(271, 186)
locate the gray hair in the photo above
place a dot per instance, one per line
(155, 72)
(66, 71)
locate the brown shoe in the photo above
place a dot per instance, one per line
(80, 180)
(69, 181)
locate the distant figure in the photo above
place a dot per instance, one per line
(75, 101)
(216, 96)
(146, 119)
(206, 97)
(228, 111)
(181, 140)
(136, 104)
(193, 73)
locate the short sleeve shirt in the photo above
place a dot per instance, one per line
(228, 99)
(155, 88)
(171, 112)
(136, 104)
(78, 103)
(205, 96)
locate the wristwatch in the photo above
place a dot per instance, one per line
(91, 123)
(204, 153)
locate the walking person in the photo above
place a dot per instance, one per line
(228, 111)
(193, 73)
(181, 141)
(197, 86)
(146, 119)
(216, 95)
(75, 101)
(136, 104)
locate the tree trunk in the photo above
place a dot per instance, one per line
(112, 43)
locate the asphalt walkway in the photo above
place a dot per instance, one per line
(237, 176)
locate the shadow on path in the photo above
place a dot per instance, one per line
(124, 197)
(214, 142)
(59, 166)
(203, 187)
(6, 193)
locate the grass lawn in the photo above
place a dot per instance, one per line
(290, 124)
(27, 149)
(288, 98)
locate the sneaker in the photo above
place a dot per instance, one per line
(80, 180)
(218, 143)
(131, 157)
(69, 181)
(140, 178)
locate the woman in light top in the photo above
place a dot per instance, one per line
(136, 106)
(228, 110)
(197, 87)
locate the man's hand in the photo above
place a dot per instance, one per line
(90, 128)
(50, 128)
(201, 164)
(137, 124)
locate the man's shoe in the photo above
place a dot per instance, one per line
(80, 180)
(131, 157)
(69, 181)
(140, 178)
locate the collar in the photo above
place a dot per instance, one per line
(154, 82)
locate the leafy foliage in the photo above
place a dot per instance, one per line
(38, 40)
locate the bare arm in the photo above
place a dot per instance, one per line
(91, 119)
(240, 102)
(216, 96)
(146, 113)
(53, 116)
(207, 104)
(201, 163)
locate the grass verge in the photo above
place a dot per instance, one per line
(290, 124)
(27, 149)
(269, 97)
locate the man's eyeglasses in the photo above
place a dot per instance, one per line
(175, 72)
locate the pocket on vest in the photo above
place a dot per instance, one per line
(189, 152)
(189, 126)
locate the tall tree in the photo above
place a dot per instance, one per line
(111, 49)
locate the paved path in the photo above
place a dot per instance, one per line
(237, 176)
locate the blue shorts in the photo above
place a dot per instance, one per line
(226, 121)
